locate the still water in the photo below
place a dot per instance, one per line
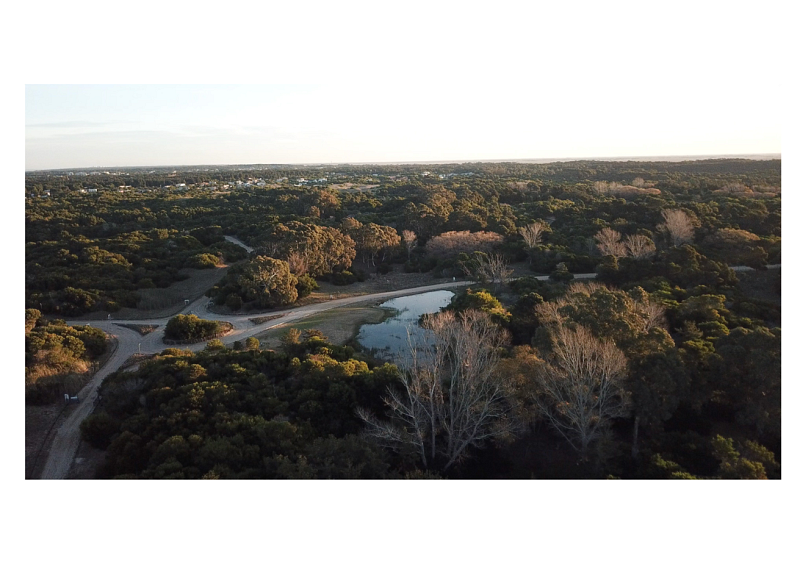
(389, 339)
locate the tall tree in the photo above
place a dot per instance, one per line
(608, 242)
(410, 241)
(532, 233)
(451, 397)
(581, 387)
(639, 246)
(269, 282)
(678, 225)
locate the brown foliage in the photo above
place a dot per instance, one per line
(451, 244)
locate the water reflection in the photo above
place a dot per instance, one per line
(389, 339)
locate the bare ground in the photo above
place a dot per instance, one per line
(87, 459)
(40, 422)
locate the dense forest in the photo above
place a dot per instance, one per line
(667, 365)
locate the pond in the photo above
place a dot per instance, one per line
(389, 339)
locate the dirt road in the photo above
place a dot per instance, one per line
(68, 436)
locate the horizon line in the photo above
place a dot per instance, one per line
(668, 158)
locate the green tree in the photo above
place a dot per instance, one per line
(268, 282)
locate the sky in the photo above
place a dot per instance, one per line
(435, 80)
(72, 126)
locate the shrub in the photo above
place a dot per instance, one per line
(190, 327)
(98, 429)
(233, 302)
(305, 285)
(561, 273)
(215, 344)
(346, 277)
(203, 261)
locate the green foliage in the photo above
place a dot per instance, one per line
(202, 261)
(561, 273)
(306, 285)
(98, 429)
(480, 300)
(32, 316)
(346, 277)
(325, 249)
(244, 414)
(268, 282)
(752, 465)
(191, 328)
(748, 367)
(89, 252)
(215, 344)
(56, 355)
(233, 302)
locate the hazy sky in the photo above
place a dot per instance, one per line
(119, 125)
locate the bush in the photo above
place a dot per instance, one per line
(233, 302)
(346, 277)
(561, 273)
(191, 327)
(202, 261)
(384, 268)
(98, 429)
(215, 344)
(305, 285)
(419, 265)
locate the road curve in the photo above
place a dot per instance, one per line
(67, 438)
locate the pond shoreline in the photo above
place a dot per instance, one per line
(388, 339)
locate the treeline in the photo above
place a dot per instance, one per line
(92, 252)
(243, 414)
(694, 369)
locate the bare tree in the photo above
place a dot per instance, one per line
(451, 244)
(639, 246)
(638, 182)
(410, 240)
(581, 386)
(271, 249)
(488, 268)
(450, 397)
(532, 234)
(653, 314)
(298, 263)
(608, 242)
(678, 225)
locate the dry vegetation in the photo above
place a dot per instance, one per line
(141, 329)
(339, 325)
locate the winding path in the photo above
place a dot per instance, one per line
(67, 438)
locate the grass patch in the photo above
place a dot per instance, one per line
(340, 325)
